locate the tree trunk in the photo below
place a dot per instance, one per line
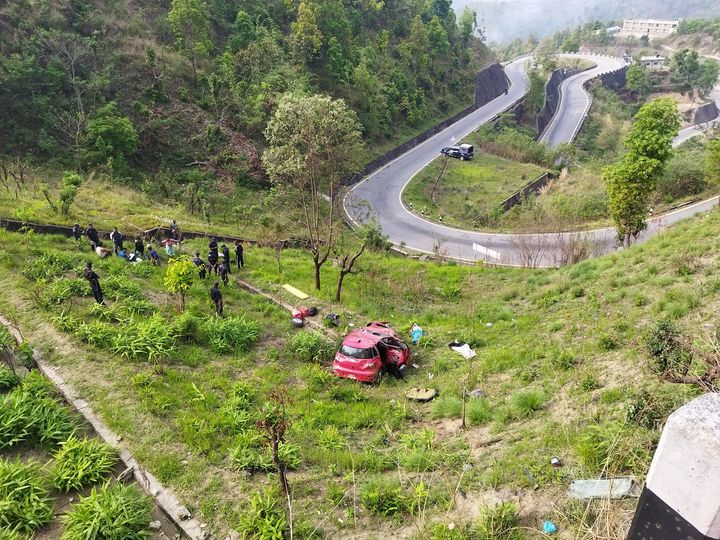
(341, 277)
(317, 264)
(284, 490)
(192, 59)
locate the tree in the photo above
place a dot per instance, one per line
(467, 23)
(190, 22)
(708, 76)
(179, 277)
(69, 186)
(712, 162)
(697, 73)
(637, 80)
(110, 137)
(346, 264)
(631, 181)
(305, 34)
(313, 143)
(243, 31)
(370, 102)
(570, 45)
(275, 421)
(438, 36)
(336, 61)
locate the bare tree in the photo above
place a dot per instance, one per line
(275, 422)
(345, 264)
(530, 248)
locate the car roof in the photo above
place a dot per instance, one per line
(360, 339)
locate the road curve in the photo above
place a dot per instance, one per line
(380, 194)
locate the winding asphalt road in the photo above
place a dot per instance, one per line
(380, 194)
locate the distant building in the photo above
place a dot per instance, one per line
(613, 30)
(655, 63)
(650, 27)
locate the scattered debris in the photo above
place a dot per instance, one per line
(297, 292)
(184, 513)
(462, 348)
(416, 366)
(489, 325)
(555, 462)
(549, 527)
(333, 319)
(477, 393)
(531, 478)
(297, 322)
(155, 525)
(467, 467)
(421, 394)
(416, 332)
(430, 376)
(613, 488)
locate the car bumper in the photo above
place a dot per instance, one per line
(360, 372)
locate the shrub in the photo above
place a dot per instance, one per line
(8, 379)
(63, 289)
(330, 438)
(666, 348)
(498, 523)
(310, 347)
(82, 462)
(478, 411)
(589, 382)
(265, 518)
(383, 498)
(232, 334)
(116, 512)
(96, 333)
(24, 502)
(252, 453)
(151, 339)
(50, 265)
(188, 327)
(648, 410)
(526, 402)
(446, 407)
(118, 287)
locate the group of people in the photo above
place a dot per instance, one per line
(215, 252)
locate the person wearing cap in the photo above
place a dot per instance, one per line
(197, 261)
(93, 236)
(117, 240)
(224, 271)
(226, 256)
(139, 246)
(213, 245)
(216, 297)
(213, 261)
(94, 281)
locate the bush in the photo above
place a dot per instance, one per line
(526, 402)
(50, 265)
(24, 502)
(8, 379)
(118, 287)
(667, 349)
(265, 518)
(478, 411)
(82, 462)
(232, 334)
(310, 347)
(498, 523)
(151, 339)
(188, 328)
(446, 407)
(382, 498)
(116, 512)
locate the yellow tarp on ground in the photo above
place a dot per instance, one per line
(297, 292)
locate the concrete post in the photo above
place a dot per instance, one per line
(681, 498)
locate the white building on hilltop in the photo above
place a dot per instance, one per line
(650, 27)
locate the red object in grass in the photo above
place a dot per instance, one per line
(367, 352)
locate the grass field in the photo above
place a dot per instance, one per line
(467, 188)
(561, 359)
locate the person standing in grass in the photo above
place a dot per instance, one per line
(224, 271)
(213, 261)
(117, 240)
(216, 297)
(226, 256)
(94, 280)
(174, 231)
(77, 233)
(139, 247)
(239, 254)
(197, 261)
(93, 236)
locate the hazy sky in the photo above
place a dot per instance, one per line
(508, 19)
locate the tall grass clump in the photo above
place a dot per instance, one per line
(145, 339)
(116, 512)
(24, 502)
(310, 347)
(8, 379)
(50, 265)
(384, 498)
(446, 407)
(498, 522)
(82, 462)
(265, 518)
(527, 402)
(232, 334)
(478, 411)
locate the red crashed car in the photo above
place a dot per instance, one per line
(366, 352)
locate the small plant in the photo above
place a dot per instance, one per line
(82, 462)
(446, 407)
(479, 411)
(648, 410)
(608, 342)
(265, 518)
(179, 277)
(310, 347)
(527, 402)
(667, 349)
(24, 502)
(382, 498)
(8, 379)
(116, 512)
(147, 339)
(232, 334)
(595, 444)
(589, 382)
(330, 438)
(498, 523)
(565, 360)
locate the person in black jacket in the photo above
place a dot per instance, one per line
(226, 256)
(77, 233)
(94, 280)
(223, 272)
(239, 254)
(139, 246)
(213, 246)
(213, 261)
(216, 297)
(117, 240)
(200, 264)
(93, 236)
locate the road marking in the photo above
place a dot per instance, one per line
(487, 252)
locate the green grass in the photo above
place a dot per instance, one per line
(26, 505)
(82, 462)
(467, 189)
